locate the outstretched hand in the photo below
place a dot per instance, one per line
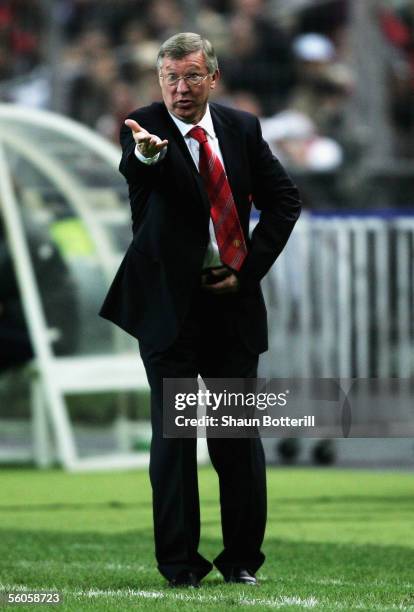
(148, 144)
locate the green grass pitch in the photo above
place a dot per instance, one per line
(336, 540)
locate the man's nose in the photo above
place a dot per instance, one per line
(182, 85)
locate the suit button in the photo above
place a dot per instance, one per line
(236, 243)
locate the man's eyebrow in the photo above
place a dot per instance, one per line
(190, 67)
(187, 71)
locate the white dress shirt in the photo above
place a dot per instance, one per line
(212, 257)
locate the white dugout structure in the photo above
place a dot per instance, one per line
(62, 197)
(340, 298)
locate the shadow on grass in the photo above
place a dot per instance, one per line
(73, 506)
(391, 501)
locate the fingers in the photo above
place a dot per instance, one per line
(134, 126)
(149, 145)
(230, 284)
(143, 138)
(220, 272)
(150, 140)
(214, 275)
(141, 133)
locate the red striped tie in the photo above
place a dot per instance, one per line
(229, 234)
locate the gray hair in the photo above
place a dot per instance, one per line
(184, 43)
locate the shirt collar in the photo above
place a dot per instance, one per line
(206, 123)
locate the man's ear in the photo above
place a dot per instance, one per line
(214, 78)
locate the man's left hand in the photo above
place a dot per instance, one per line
(227, 282)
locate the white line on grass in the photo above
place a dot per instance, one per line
(88, 565)
(241, 599)
(276, 602)
(341, 582)
(144, 569)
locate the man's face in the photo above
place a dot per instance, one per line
(185, 101)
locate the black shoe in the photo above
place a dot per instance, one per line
(185, 579)
(240, 575)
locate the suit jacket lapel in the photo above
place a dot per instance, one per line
(228, 138)
(173, 133)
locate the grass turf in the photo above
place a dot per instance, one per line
(336, 540)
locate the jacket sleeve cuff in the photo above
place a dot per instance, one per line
(149, 161)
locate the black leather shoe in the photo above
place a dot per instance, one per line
(185, 579)
(242, 576)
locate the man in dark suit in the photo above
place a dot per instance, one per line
(189, 290)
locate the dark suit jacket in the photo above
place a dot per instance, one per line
(151, 292)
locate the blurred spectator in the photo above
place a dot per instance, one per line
(21, 28)
(90, 93)
(329, 18)
(165, 18)
(110, 16)
(315, 161)
(311, 135)
(259, 58)
(294, 139)
(246, 102)
(121, 102)
(323, 84)
(398, 27)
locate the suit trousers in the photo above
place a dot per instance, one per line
(208, 345)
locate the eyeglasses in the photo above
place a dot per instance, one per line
(191, 79)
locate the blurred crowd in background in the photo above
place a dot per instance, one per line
(291, 62)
